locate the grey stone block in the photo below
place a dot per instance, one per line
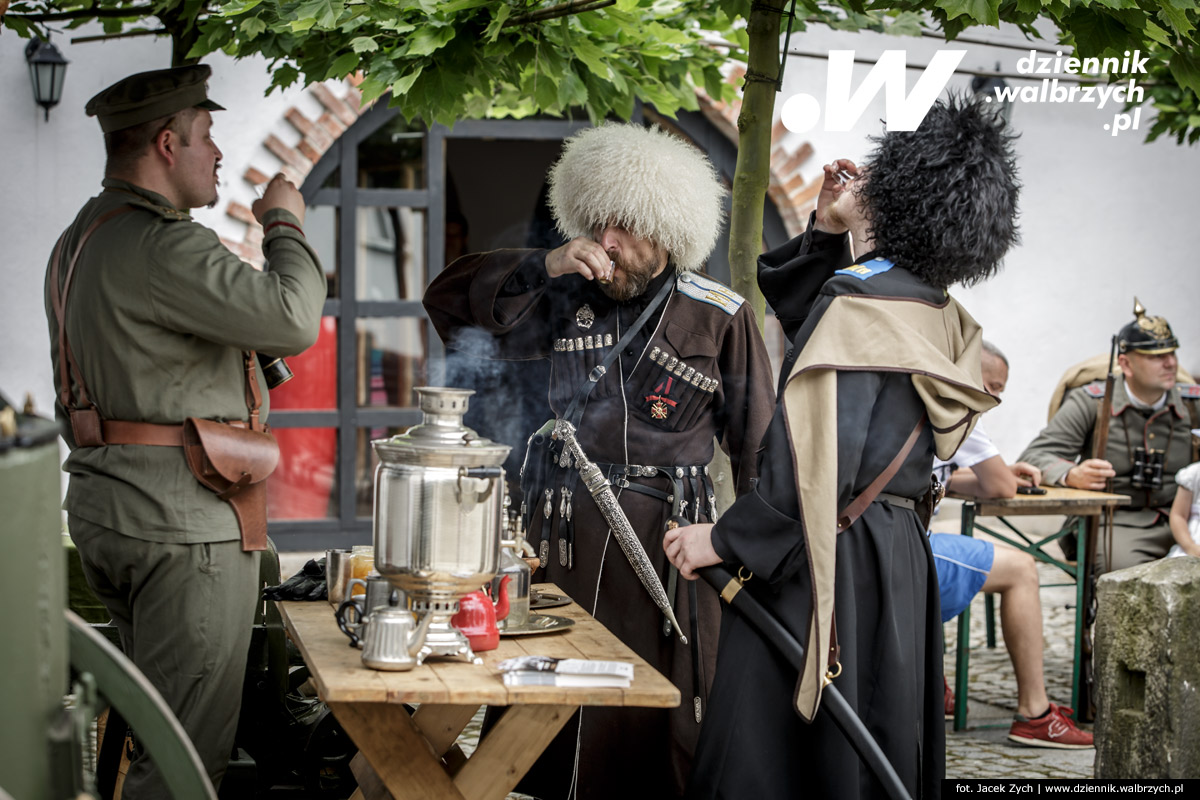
(1147, 663)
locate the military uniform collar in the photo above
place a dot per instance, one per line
(1121, 401)
(147, 198)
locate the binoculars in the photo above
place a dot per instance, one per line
(1147, 468)
(275, 370)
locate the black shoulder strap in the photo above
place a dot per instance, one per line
(575, 409)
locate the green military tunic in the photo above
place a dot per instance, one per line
(1141, 532)
(158, 315)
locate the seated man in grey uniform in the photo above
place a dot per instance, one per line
(1149, 440)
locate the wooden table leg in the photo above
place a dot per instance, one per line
(441, 724)
(370, 785)
(395, 748)
(509, 750)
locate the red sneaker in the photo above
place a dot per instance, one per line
(1053, 730)
(948, 702)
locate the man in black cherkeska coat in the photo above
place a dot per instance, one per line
(884, 371)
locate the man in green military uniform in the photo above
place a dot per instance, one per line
(157, 324)
(1149, 440)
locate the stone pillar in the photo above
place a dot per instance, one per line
(1148, 671)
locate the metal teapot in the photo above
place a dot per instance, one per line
(393, 639)
(356, 610)
(477, 617)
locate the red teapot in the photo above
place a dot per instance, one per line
(477, 617)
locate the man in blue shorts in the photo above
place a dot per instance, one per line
(966, 566)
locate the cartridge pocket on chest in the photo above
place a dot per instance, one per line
(574, 359)
(676, 380)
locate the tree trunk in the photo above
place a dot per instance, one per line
(753, 172)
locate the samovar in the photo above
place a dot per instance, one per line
(439, 491)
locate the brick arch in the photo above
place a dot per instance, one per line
(339, 110)
(792, 195)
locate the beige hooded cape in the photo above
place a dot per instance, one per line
(940, 347)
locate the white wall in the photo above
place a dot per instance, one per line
(1102, 217)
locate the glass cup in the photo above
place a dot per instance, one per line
(362, 563)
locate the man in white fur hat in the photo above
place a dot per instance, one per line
(684, 364)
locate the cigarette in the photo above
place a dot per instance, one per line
(606, 280)
(260, 189)
(843, 177)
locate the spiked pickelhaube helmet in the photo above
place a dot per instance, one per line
(1146, 334)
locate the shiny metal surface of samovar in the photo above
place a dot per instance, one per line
(437, 516)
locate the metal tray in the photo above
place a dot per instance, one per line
(547, 600)
(540, 623)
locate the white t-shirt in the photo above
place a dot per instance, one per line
(976, 449)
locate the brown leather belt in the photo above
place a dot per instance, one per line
(148, 433)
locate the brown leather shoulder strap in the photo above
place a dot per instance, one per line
(253, 395)
(58, 299)
(855, 510)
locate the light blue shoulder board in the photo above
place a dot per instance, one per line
(1189, 391)
(876, 266)
(706, 290)
(1095, 389)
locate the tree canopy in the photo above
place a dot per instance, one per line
(444, 61)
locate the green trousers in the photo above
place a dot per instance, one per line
(184, 613)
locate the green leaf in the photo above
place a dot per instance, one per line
(253, 26)
(984, 12)
(323, 12)
(493, 28)
(1096, 32)
(907, 23)
(592, 57)
(343, 66)
(1185, 68)
(364, 44)
(236, 7)
(430, 39)
(1176, 18)
(405, 82)
(571, 91)
(372, 88)
(285, 75)
(713, 82)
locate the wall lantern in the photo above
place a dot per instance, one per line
(47, 68)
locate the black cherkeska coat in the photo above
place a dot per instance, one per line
(754, 744)
(500, 305)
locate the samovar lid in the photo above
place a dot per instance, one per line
(441, 440)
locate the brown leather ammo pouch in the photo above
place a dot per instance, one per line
(234, 462)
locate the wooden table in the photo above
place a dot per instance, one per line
(1076, 504)
(406, 751)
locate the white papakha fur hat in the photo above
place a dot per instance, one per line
(651, 183)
